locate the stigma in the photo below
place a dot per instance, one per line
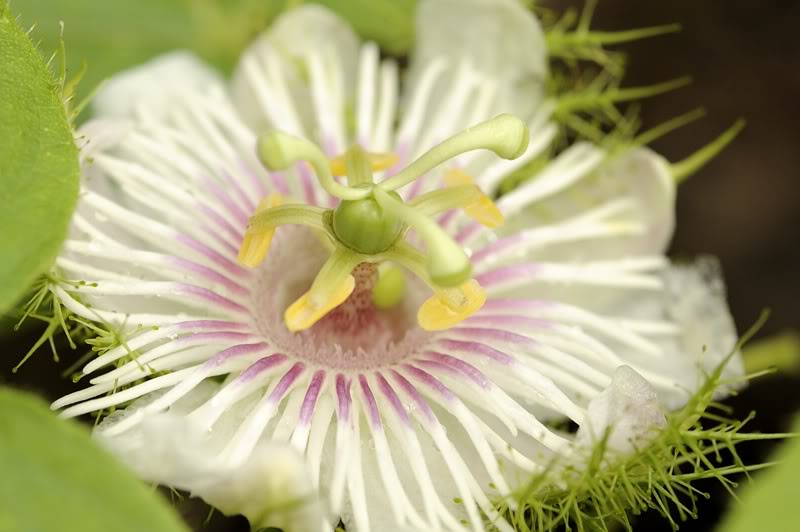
(370, 225)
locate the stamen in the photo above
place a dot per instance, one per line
(505, 135)
(447, 263)
(482, 210)
(255, 246)
(270, 214)
(449, 306)
(475, 203)
(331, 288)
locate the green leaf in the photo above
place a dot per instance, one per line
(54, 478)
(38, 163)
(390, 23)
(770, 503)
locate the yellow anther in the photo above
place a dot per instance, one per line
(449, 306)
(456, 176)
(378, 162)
(485, 212)
(482, 210)
(255, 244)
(311, 306)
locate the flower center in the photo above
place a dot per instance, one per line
(359, 333)
(368, 228)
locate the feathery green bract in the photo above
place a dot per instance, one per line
(605, 492)
(62, 324)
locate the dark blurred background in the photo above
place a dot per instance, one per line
(744, 207)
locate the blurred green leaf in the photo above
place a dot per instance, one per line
(38, 163)
(770, 503)
(781, 351)
(390, 23)
(54, 478)
(112, 36)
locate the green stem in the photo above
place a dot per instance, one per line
(558, 41)
(689, 166)
(667, 127)
(447, 263)
(446, 199)
(335, 270)
(288, 214)
(592, 98)
(359, 166)
(409, 258)
(279, 151)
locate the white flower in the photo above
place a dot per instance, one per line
(394, 421)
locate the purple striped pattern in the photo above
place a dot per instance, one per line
(312, 394)
(467, 232)
(451, 364)
(212, 255)
(507, 274)
(245, 198)
(343, 397)
(241, 350)
(207, 273)
(279, 183)
(478, 348)
(230, 205)
(286, 382)
(391, 396)
(371, 404)
(220, 239)
(211, 325)
(518, 305)
(502, 321)
(220, 221)
(430, 381)
(482, 333)
(252, 174)
(210, 296)
(260, 366)
(495, 247)
(413, 393)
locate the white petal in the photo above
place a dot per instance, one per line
(704, 333)
(644, 175)
(698, 304)
(99, 135)
(640, 178)
(628, 409)
(153, 85)
(308, 29)
(499, 38)
(272, 488)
